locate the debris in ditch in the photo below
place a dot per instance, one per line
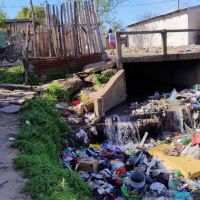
(164, 164)
(115, 174)
(82, 136)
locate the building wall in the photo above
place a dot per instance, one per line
(194, 23)
(178, 20)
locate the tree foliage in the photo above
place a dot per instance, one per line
(3, 15)
(26, 13)
(105, 9)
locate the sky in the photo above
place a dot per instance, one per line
(127, 13)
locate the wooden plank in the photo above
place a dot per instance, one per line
(73, 31)
(93, 25)
(82, 32)
(59, 32)
(63, 29)
(55, 31)
(89, 32)
(76, 28)
(48, 25)
(97, 23)
(68, 27)
(86, 29)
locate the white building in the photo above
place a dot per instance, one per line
(188, 18)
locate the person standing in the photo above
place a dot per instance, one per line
(111, 41)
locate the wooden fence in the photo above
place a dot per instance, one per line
(71, 29)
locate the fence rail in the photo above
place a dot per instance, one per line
(163, 33)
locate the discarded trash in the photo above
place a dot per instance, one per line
(159, 187)
(86, 165)
(137, 180)
(82, 136)
(163, 165)
(76, 102)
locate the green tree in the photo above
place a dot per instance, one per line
(26, 13)
(105, 9)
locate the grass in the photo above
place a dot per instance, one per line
(40, 142)
(56, 91)
(84, 97)
(14, 75)
(103, 77)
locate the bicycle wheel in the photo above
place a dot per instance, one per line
(11, 54)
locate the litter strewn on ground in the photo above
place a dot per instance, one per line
(153, 153)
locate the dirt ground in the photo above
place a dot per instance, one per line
(11, 181)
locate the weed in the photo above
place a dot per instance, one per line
(15, 75)
(84, 97)
(12, 75)
(103, 77)
(57, 91)
(40, 142)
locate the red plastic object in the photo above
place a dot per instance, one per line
(76, 102)
(196, 139)
(121, 171)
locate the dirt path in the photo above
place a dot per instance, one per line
(11, 181)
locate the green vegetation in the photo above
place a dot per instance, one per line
(3, 14)
(103, 77)
(56, 91)
(40, 141)
(12, 75)
(26, 13)
(84, 97)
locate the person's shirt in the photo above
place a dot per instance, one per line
(111, 37)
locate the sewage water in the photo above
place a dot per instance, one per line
(121, 127)
(120, 130)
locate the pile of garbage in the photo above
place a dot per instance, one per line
(127, 173)
(131, 164)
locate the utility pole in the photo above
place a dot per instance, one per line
(178, 4)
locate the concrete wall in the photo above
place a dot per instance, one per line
(111, 95)
(144, 79)
(194, 23)
(178, 20)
